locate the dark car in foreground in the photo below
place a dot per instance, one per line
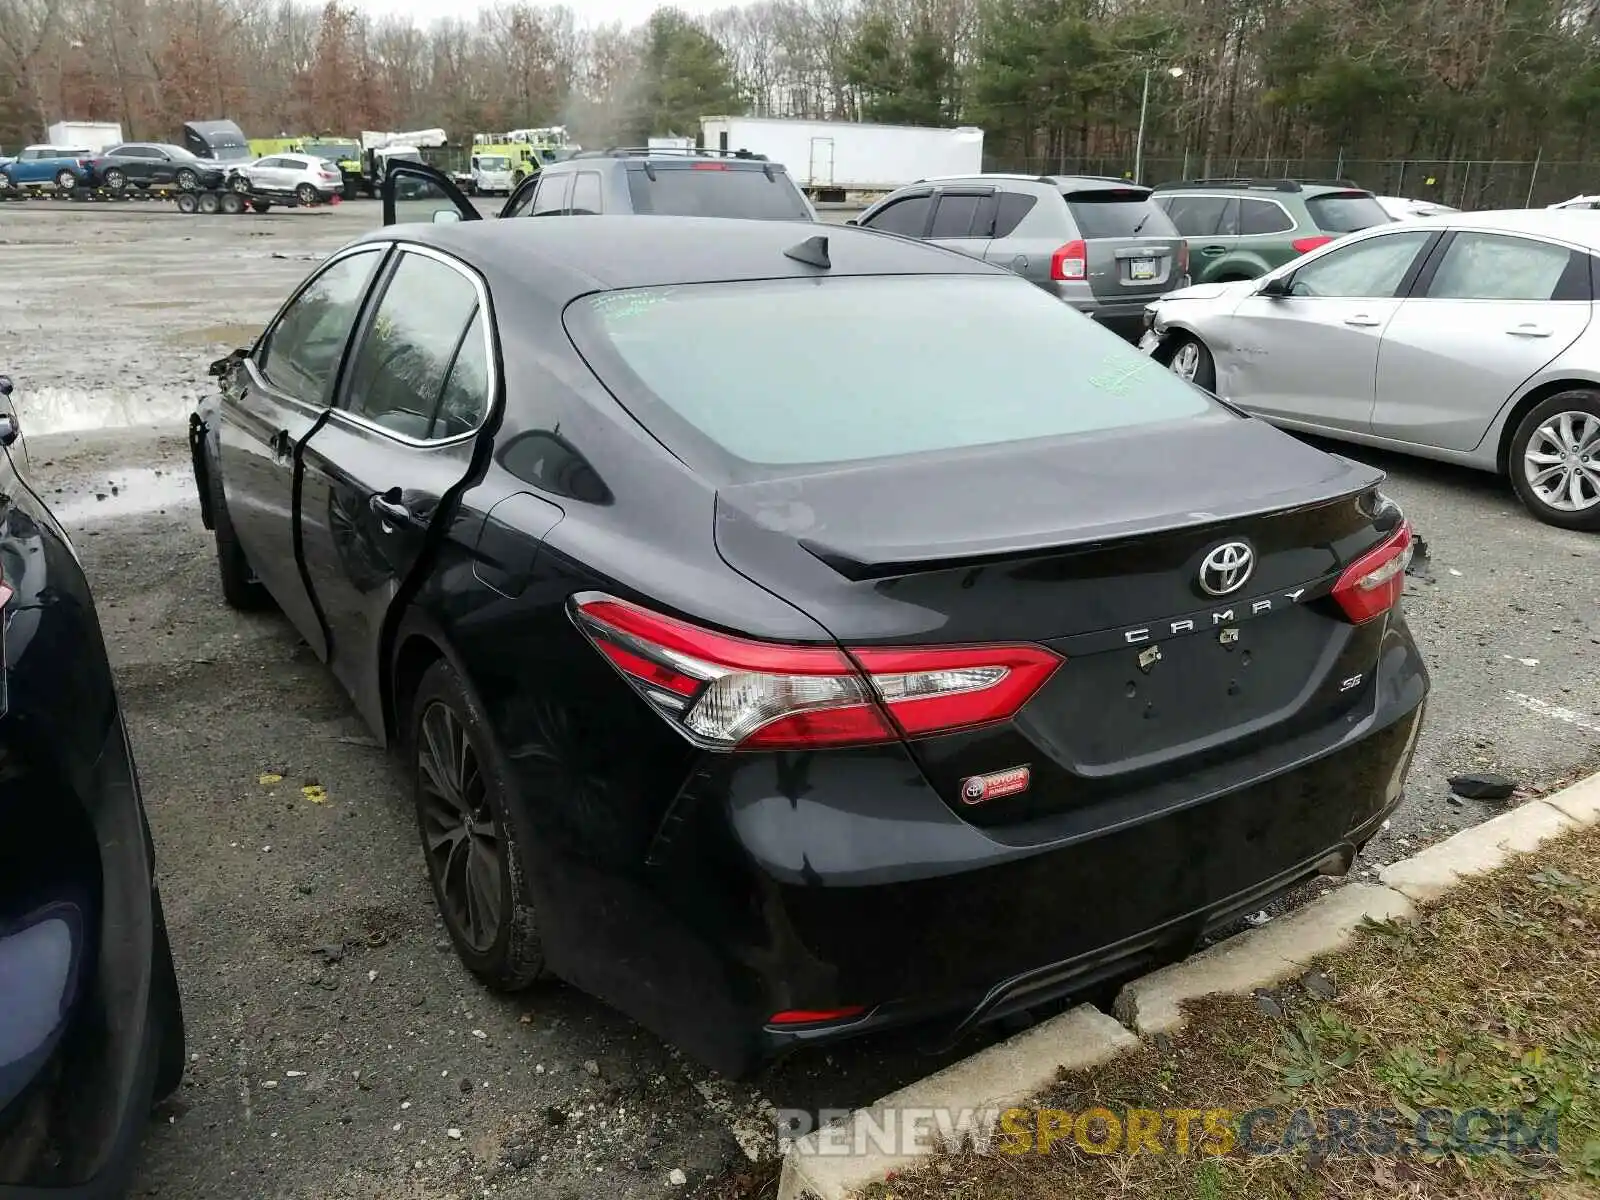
(790, 634)
(91, 1027)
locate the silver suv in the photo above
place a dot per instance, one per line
(1099, 244)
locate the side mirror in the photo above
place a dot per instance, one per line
(446, 216)
(853, 221)
(223, 365)
(10, 431)
(1277, 288)
(5, 385)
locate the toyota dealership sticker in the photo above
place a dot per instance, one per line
(977, 789)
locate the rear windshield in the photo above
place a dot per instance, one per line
(1111, 214)
(716, 190)
(777, 373)
(1346, 212)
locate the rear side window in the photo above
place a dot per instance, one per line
(850, 373)
(550, 194)
(1263, 216)
(1489, 266)
(586, 193)
(908, 217)
(1198, 216)
(1346, 212)
(1118, 213)
(1012, 208)
(715, 189)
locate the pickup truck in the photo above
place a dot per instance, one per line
(55, 166)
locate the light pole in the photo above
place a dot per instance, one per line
(1144, 110)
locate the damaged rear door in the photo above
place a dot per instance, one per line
(381, 474)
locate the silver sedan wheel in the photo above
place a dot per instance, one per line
(1562, 461)
(1186, 362)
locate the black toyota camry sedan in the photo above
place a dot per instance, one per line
(792, 633)
(91, 1027)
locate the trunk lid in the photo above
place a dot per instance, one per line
(1071, 544)
(1132, 246)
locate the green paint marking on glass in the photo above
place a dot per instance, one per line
(1117, 375)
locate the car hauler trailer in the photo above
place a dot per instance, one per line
(830, 159)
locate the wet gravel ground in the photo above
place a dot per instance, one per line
(339, 1050)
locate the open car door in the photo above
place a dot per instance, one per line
(414, 192)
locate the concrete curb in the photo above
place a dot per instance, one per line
(1012, 1072)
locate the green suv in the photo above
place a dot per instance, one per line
(1242, 228)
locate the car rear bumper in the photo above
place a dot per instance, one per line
(72, 1132)
(827, 882)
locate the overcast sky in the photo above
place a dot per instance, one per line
(590, 12)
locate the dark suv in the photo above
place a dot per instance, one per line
(1098, 244)
(1243, 228)
(642, 182)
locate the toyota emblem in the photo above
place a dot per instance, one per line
(1227, 568)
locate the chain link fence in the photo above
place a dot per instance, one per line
(1460, 183)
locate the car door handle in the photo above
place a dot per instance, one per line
(1213, 251)
(392, 511)
(1361, 320)
(1528, 329)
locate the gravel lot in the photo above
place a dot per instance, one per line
(339, 1050)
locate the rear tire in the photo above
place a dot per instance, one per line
(306, 194)
(232, 203)
(210, 203)
(66, 181)
(240, 587)
(473, 830)
(1557, 447)
(116, 180)
(188, 202)
(1189, 359)
(260, 206)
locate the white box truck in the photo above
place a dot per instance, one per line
(84, 135)
(830, 159)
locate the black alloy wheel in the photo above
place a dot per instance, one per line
(470, 827)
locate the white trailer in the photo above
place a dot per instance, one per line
(832, 158)
(86, 135)
(669, 143)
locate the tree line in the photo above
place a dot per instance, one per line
(1056, 84)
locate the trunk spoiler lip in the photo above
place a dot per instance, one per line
(860, 565)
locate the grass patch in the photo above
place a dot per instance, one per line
(1490, 1001)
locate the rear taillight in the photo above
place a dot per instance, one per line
(1308, 244)
(1183, 258)
(1070, 263)
(730, 693)
(815, 1016)
(1371, 585)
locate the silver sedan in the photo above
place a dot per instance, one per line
(1466, 337)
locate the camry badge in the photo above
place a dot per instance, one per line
(1227, 568)
(976, 789)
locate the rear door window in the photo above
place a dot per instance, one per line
(908, 217)
(955, 215)
(1346, 212)
(1492, 266)
(586, 193)
(407, 350)
(1263, 217)
(715, 189)
(1118, 213)
(1198, 216)
(850, 373)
